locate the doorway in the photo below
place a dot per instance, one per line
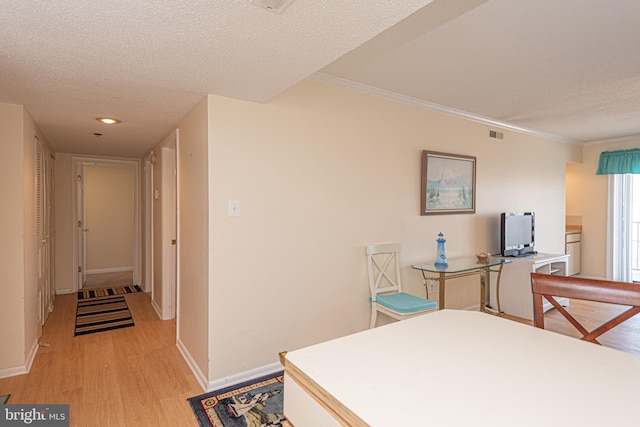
(106, 239)
(635, 228)
(623, 234)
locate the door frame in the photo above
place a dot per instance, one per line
(147, 281)
(77, 164)
(169, 233)
(80, 237)
(169, 239)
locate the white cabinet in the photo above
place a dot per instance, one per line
(572, 248)
(516, 298)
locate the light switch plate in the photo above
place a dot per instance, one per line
(234, 207)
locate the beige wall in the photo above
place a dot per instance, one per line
(320, 172)
(587, 198)
(109, 209)
(18, 256)
(193, 234)
(12, 274)
(64, 223)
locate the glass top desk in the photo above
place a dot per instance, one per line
(462, 267)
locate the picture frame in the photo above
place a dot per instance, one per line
(448, 184)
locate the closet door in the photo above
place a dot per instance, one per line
(44, 213)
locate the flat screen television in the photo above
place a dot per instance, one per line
(517, 233)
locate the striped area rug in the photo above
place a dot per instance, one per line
(105, 292)
(102, 314)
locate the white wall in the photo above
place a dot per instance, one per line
(587, 197)
(320, 172)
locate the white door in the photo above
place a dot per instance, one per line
(169, 230)
(174, 230)
(82, 229)
(44, 229)
(51, 241)
(41, 238)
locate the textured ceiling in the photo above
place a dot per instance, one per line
(565, 68)
(569, 69)
(148, 63)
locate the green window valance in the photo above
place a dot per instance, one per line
(619, 162)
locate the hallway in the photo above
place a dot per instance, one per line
(128, 377)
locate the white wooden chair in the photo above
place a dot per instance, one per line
(386, 287)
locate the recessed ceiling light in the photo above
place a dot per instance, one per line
(276, 6)
(108, 120)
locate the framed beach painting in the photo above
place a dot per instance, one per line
(448, 183)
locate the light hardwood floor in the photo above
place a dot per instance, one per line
(625, 337)
(128, 377)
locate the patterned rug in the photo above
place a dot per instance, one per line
(105, 292)
(102, 314)
(254, 403)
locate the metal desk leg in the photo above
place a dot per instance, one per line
(484, 279)
(498, 288)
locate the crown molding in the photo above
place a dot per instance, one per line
(614, 140)
(425, 105)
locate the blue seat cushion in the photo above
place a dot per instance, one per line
(405, 303)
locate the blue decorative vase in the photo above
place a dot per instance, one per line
(441, 256)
